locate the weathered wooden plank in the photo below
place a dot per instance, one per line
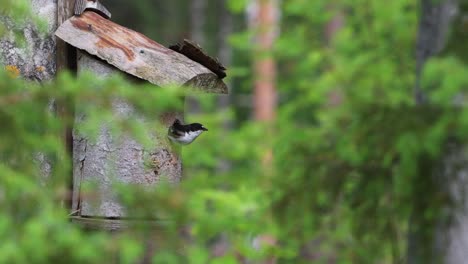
(196, 53)
(66, 56)
(136, 54)
(65, 60)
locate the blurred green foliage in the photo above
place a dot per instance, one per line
(354, 157)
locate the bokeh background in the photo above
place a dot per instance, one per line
(342, 139)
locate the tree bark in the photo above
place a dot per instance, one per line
(434, 24)
(66, 61)
(450, 237)
(225, 56)
(225, 50)
(197, 34)
(197, 20)
(66, 55)
(264, 16)
(111, 159)
(36, 60)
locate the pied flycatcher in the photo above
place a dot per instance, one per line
(184, 134)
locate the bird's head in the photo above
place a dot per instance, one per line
(198, 126)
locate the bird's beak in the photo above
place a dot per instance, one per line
(204, 129)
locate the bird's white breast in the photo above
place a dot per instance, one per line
(188, 137)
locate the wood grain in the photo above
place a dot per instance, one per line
(136, 54)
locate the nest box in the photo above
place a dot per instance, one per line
(105, 48)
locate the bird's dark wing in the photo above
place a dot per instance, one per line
(175, 132)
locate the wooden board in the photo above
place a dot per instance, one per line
(196, 53)
(136, 54)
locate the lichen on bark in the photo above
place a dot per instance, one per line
(29, 52)
(35, 60)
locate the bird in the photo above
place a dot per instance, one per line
(184, 134)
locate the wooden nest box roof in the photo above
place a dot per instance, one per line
(136, 54)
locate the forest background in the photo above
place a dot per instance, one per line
(342, 139)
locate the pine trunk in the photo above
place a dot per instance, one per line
(264, 15)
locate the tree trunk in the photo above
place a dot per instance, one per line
(66, 61)
(224, 51)
(197, 20)
(263, 17)
(434, 24)
(450, 237)
(225, 56)
(36, 60)
(197, 34)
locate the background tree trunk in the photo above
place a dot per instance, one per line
(66, 61)
(197, 34)
(264, 17)
(197, 20)
(225, 56)
(434, 24)
(224, 51)
(450, 236)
